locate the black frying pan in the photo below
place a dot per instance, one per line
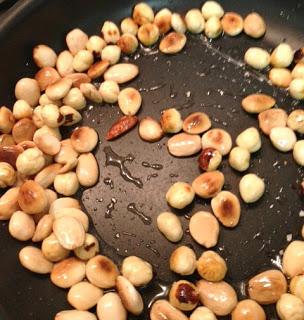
(217, 86)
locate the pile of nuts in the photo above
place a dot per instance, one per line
(37, 165)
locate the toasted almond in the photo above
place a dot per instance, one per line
(6, 140)
(280, 77)
(121, 126)
(211, 266)
(24, 130)
(59, 89)
(148, 34)
(272, 118)
(91, 92)
(163, 20)
(47, 175)
(48, 144)
(172, 43)
(46, 76)
(98, 69)
(78, 78)
(196, 123)
(128, 43)
(208, 184)
(232, 23)
(76, 40)
(121, 72)
(84, 139)
(9, 203)
(258, 102)
(254, 25)
(219, 139)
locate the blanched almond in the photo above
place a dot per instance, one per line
(28, 89)
(74, 213)
(87, 170)
(64, 63)
(163, 20)
(44, 56)
(219, 139)
(129, 101)
(48, 144)
(9, 203)
(75, 315)
(98, 69)
(47, 175)
(256, 103)
(196, 123)
(208, 184)
(121, 72)
(110, 307)
(84, 139)
(184, 145)
(293, 259)
(65, 202)
(172, 43)
(76, 40)
(24, 130)
(46, 76)
(44, 228)
(59, 89)
(254, 25)
(272, 118)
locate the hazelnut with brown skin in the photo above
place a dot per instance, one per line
(209, 159)
(183, 295)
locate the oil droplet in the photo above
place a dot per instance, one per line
(109, 182)
(144, 218)
(110, 208)
(154, 175)
(148, 246)
(155, 166)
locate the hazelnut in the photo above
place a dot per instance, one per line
(248, 309)
(179, 195)
(290, 307)
(208, 184)
(183, 261)
(183, 295)
(293, 259)
(209, 159)
(254, 25)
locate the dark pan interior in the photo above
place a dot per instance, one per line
(205, 76)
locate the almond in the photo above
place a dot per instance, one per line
(172, 43)
(46, 76)
(258, 102)
(98, 69)
(121, 126)
(78, 78)
(121, 72)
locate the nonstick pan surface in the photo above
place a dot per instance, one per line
(206, 76)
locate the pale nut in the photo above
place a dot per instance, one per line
(295, 120)
(44, 56)
(82, 61)
(162, 309)
(70, 115)
(195, 21)
(44, 228)
(163, 20)
(67, 156)
(204, 229)
(219, 297)
(248, 310)
(23, 130)
(172, 43)
(197, 123)
(296, 88)
(6, 140)
(59, 89)
(95, 45)
(142, 13)
(293, 259)
(148, 34)
(211, 266)
(36, 117)
(21, 226)
(46, 76)
(128, 26)
(290, 307)
(298, 152)
(180, 195)
(7, 120)
(84, 139)
(22, 109)
(183, 295)
(170, 226)
(66, 184)
(226, 207)
(27, 145)
(209, 159)
(239, 159)
(51, 116)
(203, 313)
(84, 296)
(75, 99)
(232, 24)
(61, 203)
(257, 58)
(283, 138)
(280, 77)
(102, 272)
(10, 154)
(8, 175)
(282, 56)
(128, 43)
(178, 23)
(251, 188)
(150, 130)
(122, 72)
(138, 271)
(9, 203)
(254, 25)
(32, 198)
(129, 101)
(91, 92)
(74, 213)
(258, 102)
(32, 259)
(110, 306)
(87, 170)
(272, 118)
(53, 250)
(89, 249)
(78, 78)
(111, 53)
(76, 40)
(212, 9)
(109, 91)
(218, 139)
(99, 68)
(110, 32)
(213, 27)
(296, 286)
(68, 272)
(267, 287)
(171, 121)
(249, 139)
(69, 232)
(298, 71)
(183, 261)
(28, 89)
(75, 315)
(208, 184)
(64, 64)
(130, 297)
(184, 145)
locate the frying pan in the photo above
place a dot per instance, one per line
(206, 76)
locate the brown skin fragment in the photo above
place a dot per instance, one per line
(206, 155)
(186, 294)
(10, 154)
(121, 126)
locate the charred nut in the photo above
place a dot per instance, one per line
(8, 175)
(138, 271)
(89, 249)
(293, 259)
(61, 203)
(239, 159)
(180, 195)
(109, 91)
(74, 213)
(68, 272)
(298, 152)
(212, 9)
(296, 88)
(256, 103)
(53, 250)
(213, 27)
(208, 184)
(84, 296)
(70, 115)
(178, 23)
(251, 188)
(121, 72)
(162, 309)
(183, 295)
(102, 272)
(298, 71)
(59, 89)
(110, 307)
(272, 118)
(128, 26)
(44, 228)
(211, 266)
(9, 203)
(129, 101)
(84, 139)
(76, 40)
(202, 313)
(75, 314)
(87, 170)
(170, 226)
(110, 32)
(209, 159)
(95, 45)
(150, 130)
(22, 110)
(32, 259)
(296, 286)
(257, 58)
(283, 138)
(130, 297)
(143, 13)
(290, 307)
(163, 20)
(282, 56)
(254, 25)
(267, 287)
(21, 226)
(219, 297)
(128, 43)
(172, 43)
(194, 21)
(218, 139)
(64, 64)
(204, 229)
(295, 120)
(184, 145)
(196, 123)
(171, 121)
(248, 309)
(232, 23)
(183, 261)
(66, 184)
(28, 89)
(280, 77)
(249, 139)
(30, 161)
(91, 92)
(46, 76)
(148, 34)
